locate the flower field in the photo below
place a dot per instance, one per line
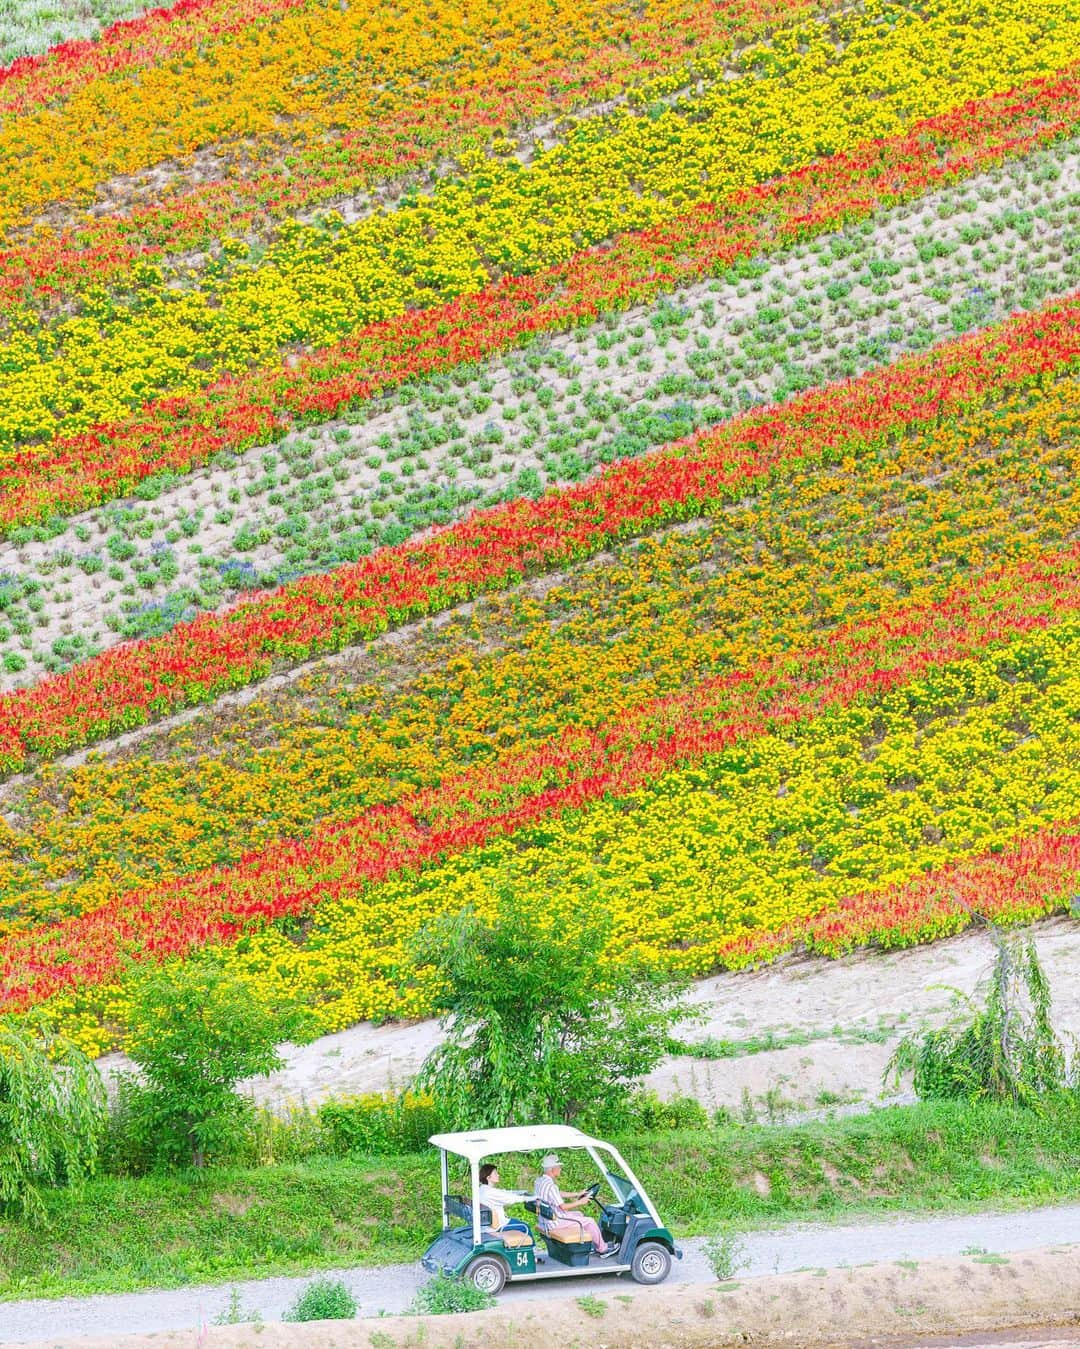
(620, 450)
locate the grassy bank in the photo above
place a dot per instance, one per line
(231, 1223)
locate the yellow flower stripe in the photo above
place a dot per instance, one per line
(313, 286)
(771, 831)
(772, 575)
(306, 76)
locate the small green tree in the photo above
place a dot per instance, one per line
(539, 1024)
(195, 1031)
(52, 1113)
(1003, 1050)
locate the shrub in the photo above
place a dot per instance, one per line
(323, 1300)
(444, 1294)
(292, 1134)
(377, 1123)
(235, 1314)
(726, 1255)
(1004, 1050)
(538, 1025)
(52, 1112)
(645, 1112)
(195, 1032)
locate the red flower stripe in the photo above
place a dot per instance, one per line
(1037, 876)
(577, 767)
(130, 684)
(179, 432)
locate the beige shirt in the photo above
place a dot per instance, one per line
(547, 1190)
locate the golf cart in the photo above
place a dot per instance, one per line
(470, 1248)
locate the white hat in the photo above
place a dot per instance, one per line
(549, 1161)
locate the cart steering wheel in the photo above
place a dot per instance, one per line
(592, 1193)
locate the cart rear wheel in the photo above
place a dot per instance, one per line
(651, 1263)
(488, 1273)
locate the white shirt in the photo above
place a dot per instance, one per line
(494, 1199)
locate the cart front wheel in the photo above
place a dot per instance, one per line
(488, 1273)
(651, 1263)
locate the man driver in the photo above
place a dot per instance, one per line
(562, 1205)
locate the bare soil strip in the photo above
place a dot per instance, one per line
(801, 1037)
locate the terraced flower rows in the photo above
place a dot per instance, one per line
(551, 415)
(758, 837)
(630, 172)
(769, 353)
(869, 545)
(174, 434)
(579, 60)
(608, 637)
(333, 94)
(338, 872)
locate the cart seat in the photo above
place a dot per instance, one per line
(562, 1229)
(457, 1206)
(566, 1230)
(565, 1237)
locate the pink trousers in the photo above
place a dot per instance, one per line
(590, 1229)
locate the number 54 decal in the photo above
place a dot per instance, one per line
(521, 1259)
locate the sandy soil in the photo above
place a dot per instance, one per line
(830, 1006)
(878, 1305)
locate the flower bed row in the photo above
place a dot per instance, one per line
(128, 685)
(774, 575)
(325, 80)
(405, 132)
(149, 38)
(547, 416)
(1017, 881)
(753, 730)
(314, 286)
(176, 434)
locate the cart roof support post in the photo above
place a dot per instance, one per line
(620, 1160)
(474, 1166)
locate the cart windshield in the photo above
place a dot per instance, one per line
(625, 1192)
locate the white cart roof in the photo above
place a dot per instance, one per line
(480, 1143)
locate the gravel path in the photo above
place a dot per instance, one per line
(391, 1289)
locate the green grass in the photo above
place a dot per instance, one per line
(227, 1224)
(713, 1048)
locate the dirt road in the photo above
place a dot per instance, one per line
(1027, 1300)
(984, 1240)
